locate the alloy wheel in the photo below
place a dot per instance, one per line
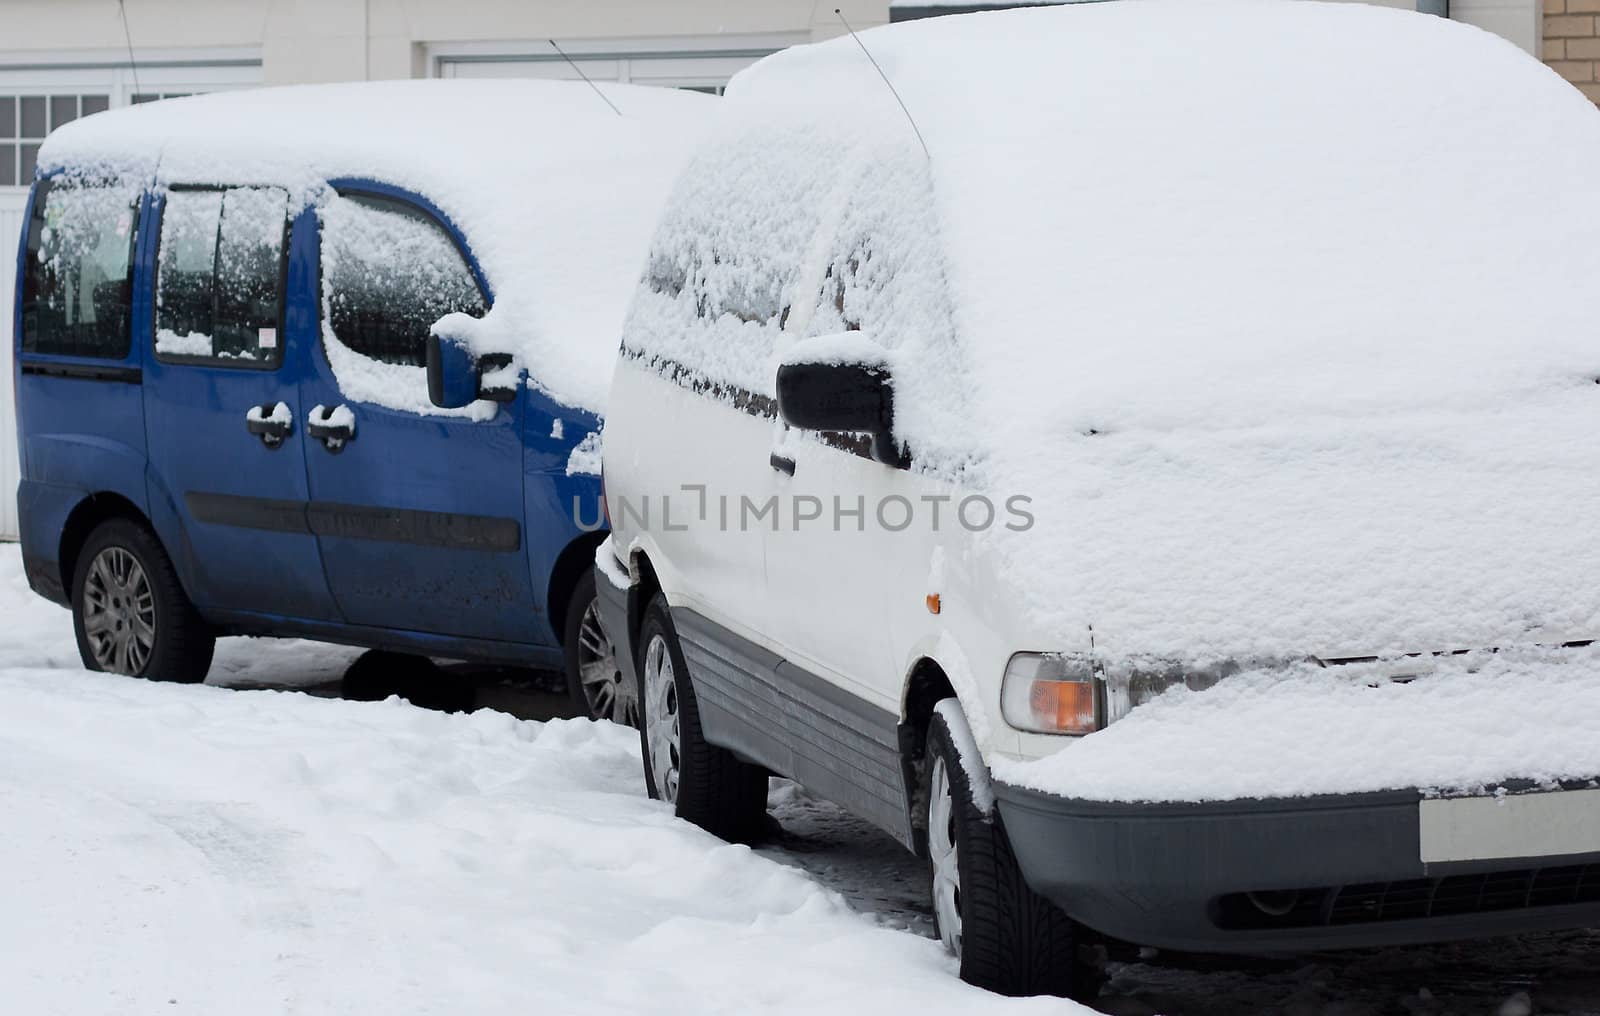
(607, 693)
(119, 612)
(661, 718)
(945, 856)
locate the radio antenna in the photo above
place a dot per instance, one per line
(584, 76)
(133, 65)
(887, 83)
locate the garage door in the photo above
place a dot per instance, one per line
(700, 64)
(11, 202)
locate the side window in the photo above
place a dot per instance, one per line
(78, 276)
(388, 273)
(219, 292)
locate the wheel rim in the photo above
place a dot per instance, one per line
(119, 612)
(606, 694)
(946, 859)
(661, 718)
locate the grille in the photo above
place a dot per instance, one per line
(1414, 899)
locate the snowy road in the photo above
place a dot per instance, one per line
(208, 850)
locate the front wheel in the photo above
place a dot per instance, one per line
(130, 613)
(1008, 938)
(707, 785)
(595, 679)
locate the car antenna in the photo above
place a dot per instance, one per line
(133, 65)
(584, 76)
(909, 118)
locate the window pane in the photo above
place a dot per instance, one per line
(63, 110)
(33, 118)
(29, 159)
(185, 306)
(8, 116)
(8, 165)
(96, 104)
(389, 273)
(77, 278)
(250, 274)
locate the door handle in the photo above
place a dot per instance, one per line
(782, 463)
(270, 423)
(335, 427)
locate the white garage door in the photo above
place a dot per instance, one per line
(11, 202)
(700, 64)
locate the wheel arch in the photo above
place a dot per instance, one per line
(85, 516)
(576, 558)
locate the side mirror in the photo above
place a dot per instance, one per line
(842, 397)
(452, 374)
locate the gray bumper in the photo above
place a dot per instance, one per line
(1341, 871)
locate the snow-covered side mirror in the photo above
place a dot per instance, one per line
(840, 383)
(457, 376)
(452, 373)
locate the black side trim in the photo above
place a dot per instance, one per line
(359, 522)
(85, 371)
(769, 711)
(248, 512)
(422, 529)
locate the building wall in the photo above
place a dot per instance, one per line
(1572, 44)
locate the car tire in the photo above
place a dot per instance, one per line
(129, 611)
(595, 680)
(1009, 939)
(707, 785)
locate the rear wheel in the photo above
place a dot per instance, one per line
(595, 680)
(129, 611)
(1008, 938)
(707, 785)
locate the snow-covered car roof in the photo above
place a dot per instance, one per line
(555, 193)
(1282, 314)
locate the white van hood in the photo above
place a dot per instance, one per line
(1335, 537)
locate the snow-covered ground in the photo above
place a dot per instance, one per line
(241, 848)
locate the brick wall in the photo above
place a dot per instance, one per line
(1572, 43)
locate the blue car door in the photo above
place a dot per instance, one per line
(222, 413)
(418, 511)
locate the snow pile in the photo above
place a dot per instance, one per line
(1264, 318)
(281, 853)
(1473, 722)
(555, 193)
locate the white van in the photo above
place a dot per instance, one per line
(1153, 479)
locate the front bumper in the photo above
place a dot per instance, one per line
(1331, 871)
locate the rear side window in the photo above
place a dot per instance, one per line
(219, 291)
(77, 281)
(388, 273)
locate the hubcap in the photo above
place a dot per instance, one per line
(942, 850)
(661, 718)
(119, 612)
(607, 694)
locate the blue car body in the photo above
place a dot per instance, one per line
(443, 535)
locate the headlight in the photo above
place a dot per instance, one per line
(1048, 693)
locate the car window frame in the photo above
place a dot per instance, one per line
(357, 187)
(214, 361)
(34, 211)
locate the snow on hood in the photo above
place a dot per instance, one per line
(1471, 723)
(1281, 313)
(555, 193)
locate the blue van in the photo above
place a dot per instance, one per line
(234, 415)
